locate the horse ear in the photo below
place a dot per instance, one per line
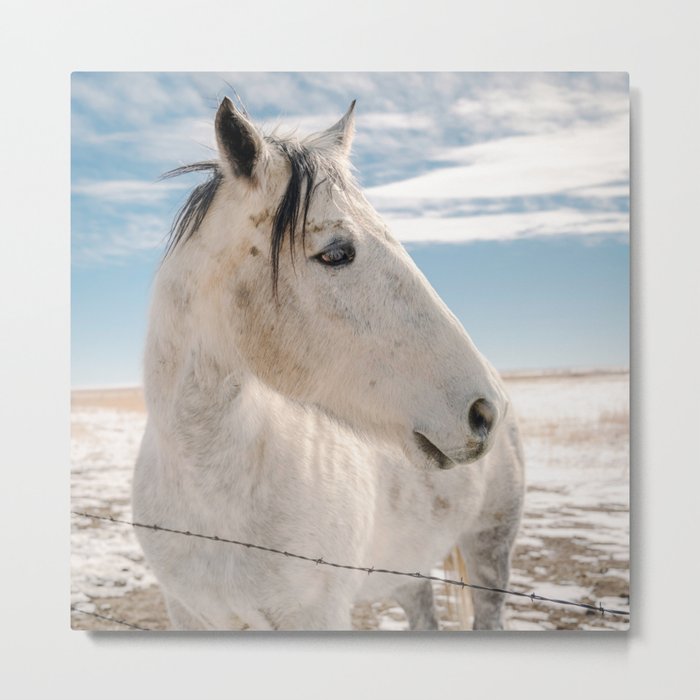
(343, 131)
(240, 144)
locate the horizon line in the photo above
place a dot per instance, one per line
(506, 374)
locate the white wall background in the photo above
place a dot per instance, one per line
(43, 42)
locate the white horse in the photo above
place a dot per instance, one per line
(319, 399)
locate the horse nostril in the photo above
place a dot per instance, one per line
(482, 415)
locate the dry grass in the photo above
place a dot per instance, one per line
(619, 417)
(114, 399)
(609, 426)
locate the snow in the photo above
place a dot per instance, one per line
(106, 559)
(576, 437)
(573, 544)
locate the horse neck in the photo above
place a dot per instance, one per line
(192, 373)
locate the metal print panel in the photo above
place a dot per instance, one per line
(350, 351)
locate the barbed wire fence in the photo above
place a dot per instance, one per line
(320, 561)
(115, 620)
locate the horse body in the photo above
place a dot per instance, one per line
(318, 411)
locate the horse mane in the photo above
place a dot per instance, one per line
(305, 162)
(191, 214)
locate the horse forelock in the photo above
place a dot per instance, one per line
(309, 167)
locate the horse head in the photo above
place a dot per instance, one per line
(279, 271)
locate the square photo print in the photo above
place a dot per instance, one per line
(350, 351)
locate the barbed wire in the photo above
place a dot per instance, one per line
(320, 561)
(111, 619)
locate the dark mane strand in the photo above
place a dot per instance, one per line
(191, 214)
(295, 201)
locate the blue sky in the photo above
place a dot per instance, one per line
(510, 190)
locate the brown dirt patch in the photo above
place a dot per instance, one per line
(144, 608)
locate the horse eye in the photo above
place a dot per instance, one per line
(337, 255)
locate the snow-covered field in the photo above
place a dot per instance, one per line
(573, 544)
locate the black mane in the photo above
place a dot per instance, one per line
(305, 165)
(191, 214)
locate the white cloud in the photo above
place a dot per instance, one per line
(181, 141)
(371, 127)
(583, 156)
(300, 124)
(499, 227)
(602, 191)
(134, 234)
(138, 99)
(396, 120)
(136, 191)
(540, 103)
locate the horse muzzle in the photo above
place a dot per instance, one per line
(483, 418)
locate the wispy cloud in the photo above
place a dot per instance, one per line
(118, 241)
(367, 123)
(584, 156)
(175, 141)
(507, 226)
(136, 99)
(136, 191)
(541, 104)
(444, 157)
